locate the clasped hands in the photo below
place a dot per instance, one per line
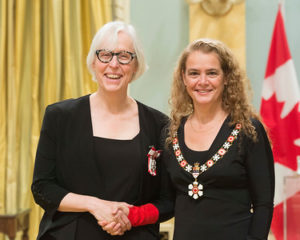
(112, 216)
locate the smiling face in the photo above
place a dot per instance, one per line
(114, 76)
(204, 78)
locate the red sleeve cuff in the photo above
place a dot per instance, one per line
(143, 215)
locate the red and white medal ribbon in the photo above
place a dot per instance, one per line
(152, 155)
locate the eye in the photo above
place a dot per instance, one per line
(124, 56)
(105, 54)
(193, 73)
(212, 73)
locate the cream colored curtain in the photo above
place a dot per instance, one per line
(43, 46)
(228, 28)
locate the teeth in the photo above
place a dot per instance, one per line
(114, 76)
(203, 91)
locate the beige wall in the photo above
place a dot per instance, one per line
(228, 28)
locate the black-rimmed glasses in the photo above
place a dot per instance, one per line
(123, 57)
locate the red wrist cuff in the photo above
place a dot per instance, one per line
(143, 215)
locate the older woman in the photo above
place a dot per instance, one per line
(219, 156)
(99, 154)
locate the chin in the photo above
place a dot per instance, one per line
(113, 87)
(202, 100)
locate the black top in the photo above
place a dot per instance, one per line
(242, 178)
(118, 163)
(65, 162)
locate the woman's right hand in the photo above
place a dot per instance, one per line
(105, 210)
(108, 212)
(120, 224)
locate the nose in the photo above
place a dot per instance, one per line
(202, 79)
(114, 62)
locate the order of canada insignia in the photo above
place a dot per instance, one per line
(152, 155)
(195, 190)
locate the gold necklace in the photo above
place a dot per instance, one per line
(195, 189)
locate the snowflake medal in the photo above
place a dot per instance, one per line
(195, 190)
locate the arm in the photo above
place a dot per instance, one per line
(47, 191)
(260, 169)
(102, 210)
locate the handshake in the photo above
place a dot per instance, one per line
(112, 216)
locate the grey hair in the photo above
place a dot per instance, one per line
(110, 31)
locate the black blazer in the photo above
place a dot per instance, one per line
(65, 162)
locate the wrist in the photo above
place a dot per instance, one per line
(143, 215)
(92, 204)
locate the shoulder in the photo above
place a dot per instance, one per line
(262, 135)
(68, 105)
(258, 125)
(152, 114)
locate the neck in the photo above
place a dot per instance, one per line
(208, 114)
(113, 102)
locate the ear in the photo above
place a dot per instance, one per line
(136, 64)
(134, 71)
(93, 64)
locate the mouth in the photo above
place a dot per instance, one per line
(203, 91)
(113, 76)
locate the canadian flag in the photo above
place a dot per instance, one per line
(280, 110)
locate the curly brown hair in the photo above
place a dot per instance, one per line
(235, 96)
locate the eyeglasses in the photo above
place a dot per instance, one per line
(123, 57)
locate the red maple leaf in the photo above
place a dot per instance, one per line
(283, 131)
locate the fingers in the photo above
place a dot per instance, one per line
(127, 205)
(126, 222)
(112, 216)
(120, 233)
(113, 228)
(118, 218)
(102, 223)
(120, 224)
(110, 227)
(117, 230)
(122, 218)
(122, 206)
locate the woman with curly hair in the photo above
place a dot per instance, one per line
(218, 153)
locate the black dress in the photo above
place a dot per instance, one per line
(242, 179)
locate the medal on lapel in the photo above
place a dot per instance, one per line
(152, 155)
